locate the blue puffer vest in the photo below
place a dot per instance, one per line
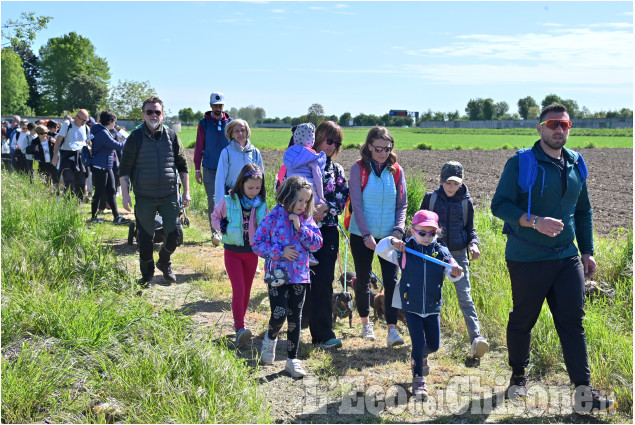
(235, 232)
(379, 200)
(421, 281)
(154, 174)
(215, 141)
(450, 212)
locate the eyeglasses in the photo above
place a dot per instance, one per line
(424, 234)
(155, 112)
(81, 119)
(387, 149)
(333, 142)
(554, 124)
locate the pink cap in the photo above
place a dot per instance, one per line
(426, 218)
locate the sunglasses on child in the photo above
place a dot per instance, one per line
(424, 234)
(333, 142)
(553, 124)
(155, 112)
(387, 149)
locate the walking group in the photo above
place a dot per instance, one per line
(299, 238)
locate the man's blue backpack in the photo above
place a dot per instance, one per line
(528, 169)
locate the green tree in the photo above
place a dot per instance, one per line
(474, 109)
(64, 58)
(186, 115)
(31, 65)
(86, 91)
(315, 114)
(524, 105)
(551, 99)
(453, 116)
(126, 98)
(15, 89)
(251, 114)
(22, 31)
(572, 108)
(345, 119)
(488, 109)
(501, 109)
(198, 115)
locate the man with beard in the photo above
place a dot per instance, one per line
(151, 158)
(210, 142)
(541, 222)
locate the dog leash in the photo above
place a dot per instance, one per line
(427, 257)
(339, 226)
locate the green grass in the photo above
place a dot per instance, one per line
(412, 138)
(81, 336)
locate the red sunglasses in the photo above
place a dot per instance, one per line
(553, 124)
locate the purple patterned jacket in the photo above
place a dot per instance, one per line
(275, 232)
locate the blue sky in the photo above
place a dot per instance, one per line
(357, 57)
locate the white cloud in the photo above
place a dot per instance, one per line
(341, 6)
(316, 8)
(278, 11)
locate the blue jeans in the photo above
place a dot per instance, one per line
(463, 290)
(425, 333)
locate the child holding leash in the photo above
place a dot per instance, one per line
(285, 238)
(424, 263)
(237, 217)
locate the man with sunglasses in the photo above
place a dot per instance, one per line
(70, 140)
(151, 159)
(210, 142)
(543, 261)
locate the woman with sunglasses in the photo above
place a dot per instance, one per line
(379, 200)
(318, 310)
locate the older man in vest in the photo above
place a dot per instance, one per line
(151, 159)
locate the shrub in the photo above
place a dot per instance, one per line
(425, 147)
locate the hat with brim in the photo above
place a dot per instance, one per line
(217, 99)
(425, 218)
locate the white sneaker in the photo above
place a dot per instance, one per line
(312, 260)
(216, 238)
(393, 339)
(242, 337)
(294, 368)
(367, 331)
(480, 346)
(268, 354)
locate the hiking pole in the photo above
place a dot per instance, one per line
(427, 257)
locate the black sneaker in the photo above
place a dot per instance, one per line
(121, 220)
(586, 399)
(168, 274)
(517, 388)
(96, 220)
(144, 281)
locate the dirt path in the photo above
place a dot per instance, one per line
(365, 382)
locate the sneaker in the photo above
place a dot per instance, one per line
(517, 387)
(312, 260)
(480, 346)
(216, 238)
(144, 281)
(242, 337)
(268, 354)
(393, 339)
(294, 368)
(121, 220)
(258, 270)
(419, 387)
(168, 274)
(331, 343)
(425, 366)
(586, 399)
(97, 220)
(367, 331)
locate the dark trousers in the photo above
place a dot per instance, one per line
(71, 170)
(286, 302)
(425, 333)
(561, 283)
(318, 309)
(145, 210)
(103, 184)
(363, 259)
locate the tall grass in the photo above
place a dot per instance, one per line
(74, 333)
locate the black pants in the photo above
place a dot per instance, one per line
(72, 172)
(561, 283)
(318, 309)
(103, 184)
(363, 259)
(286, 302)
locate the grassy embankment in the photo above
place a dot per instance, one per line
(441, 138)
(76, 335)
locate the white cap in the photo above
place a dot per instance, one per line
(217, 98)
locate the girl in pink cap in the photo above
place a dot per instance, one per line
(419, 290)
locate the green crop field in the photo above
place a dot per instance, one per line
(418, 138)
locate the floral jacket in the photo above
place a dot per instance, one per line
(335, 191)
(275, 232)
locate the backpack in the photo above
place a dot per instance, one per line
(87, 156)
(433, 200)
(528, 169)
(70, 125)
(365, 174)
(282, 174)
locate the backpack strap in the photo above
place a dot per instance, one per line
(433, 199)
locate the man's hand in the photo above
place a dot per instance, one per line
(590, 267)
(474, 251)
(199, 177)
(186, 198)
(54, 160)
(126, 201)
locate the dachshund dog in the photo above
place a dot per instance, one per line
(351, 278)
(342, 303)
(378, 303)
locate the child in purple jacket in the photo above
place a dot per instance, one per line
(285, 237)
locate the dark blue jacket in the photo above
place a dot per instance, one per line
(422, 281)
(103, 147)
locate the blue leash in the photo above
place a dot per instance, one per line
(428, 258)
